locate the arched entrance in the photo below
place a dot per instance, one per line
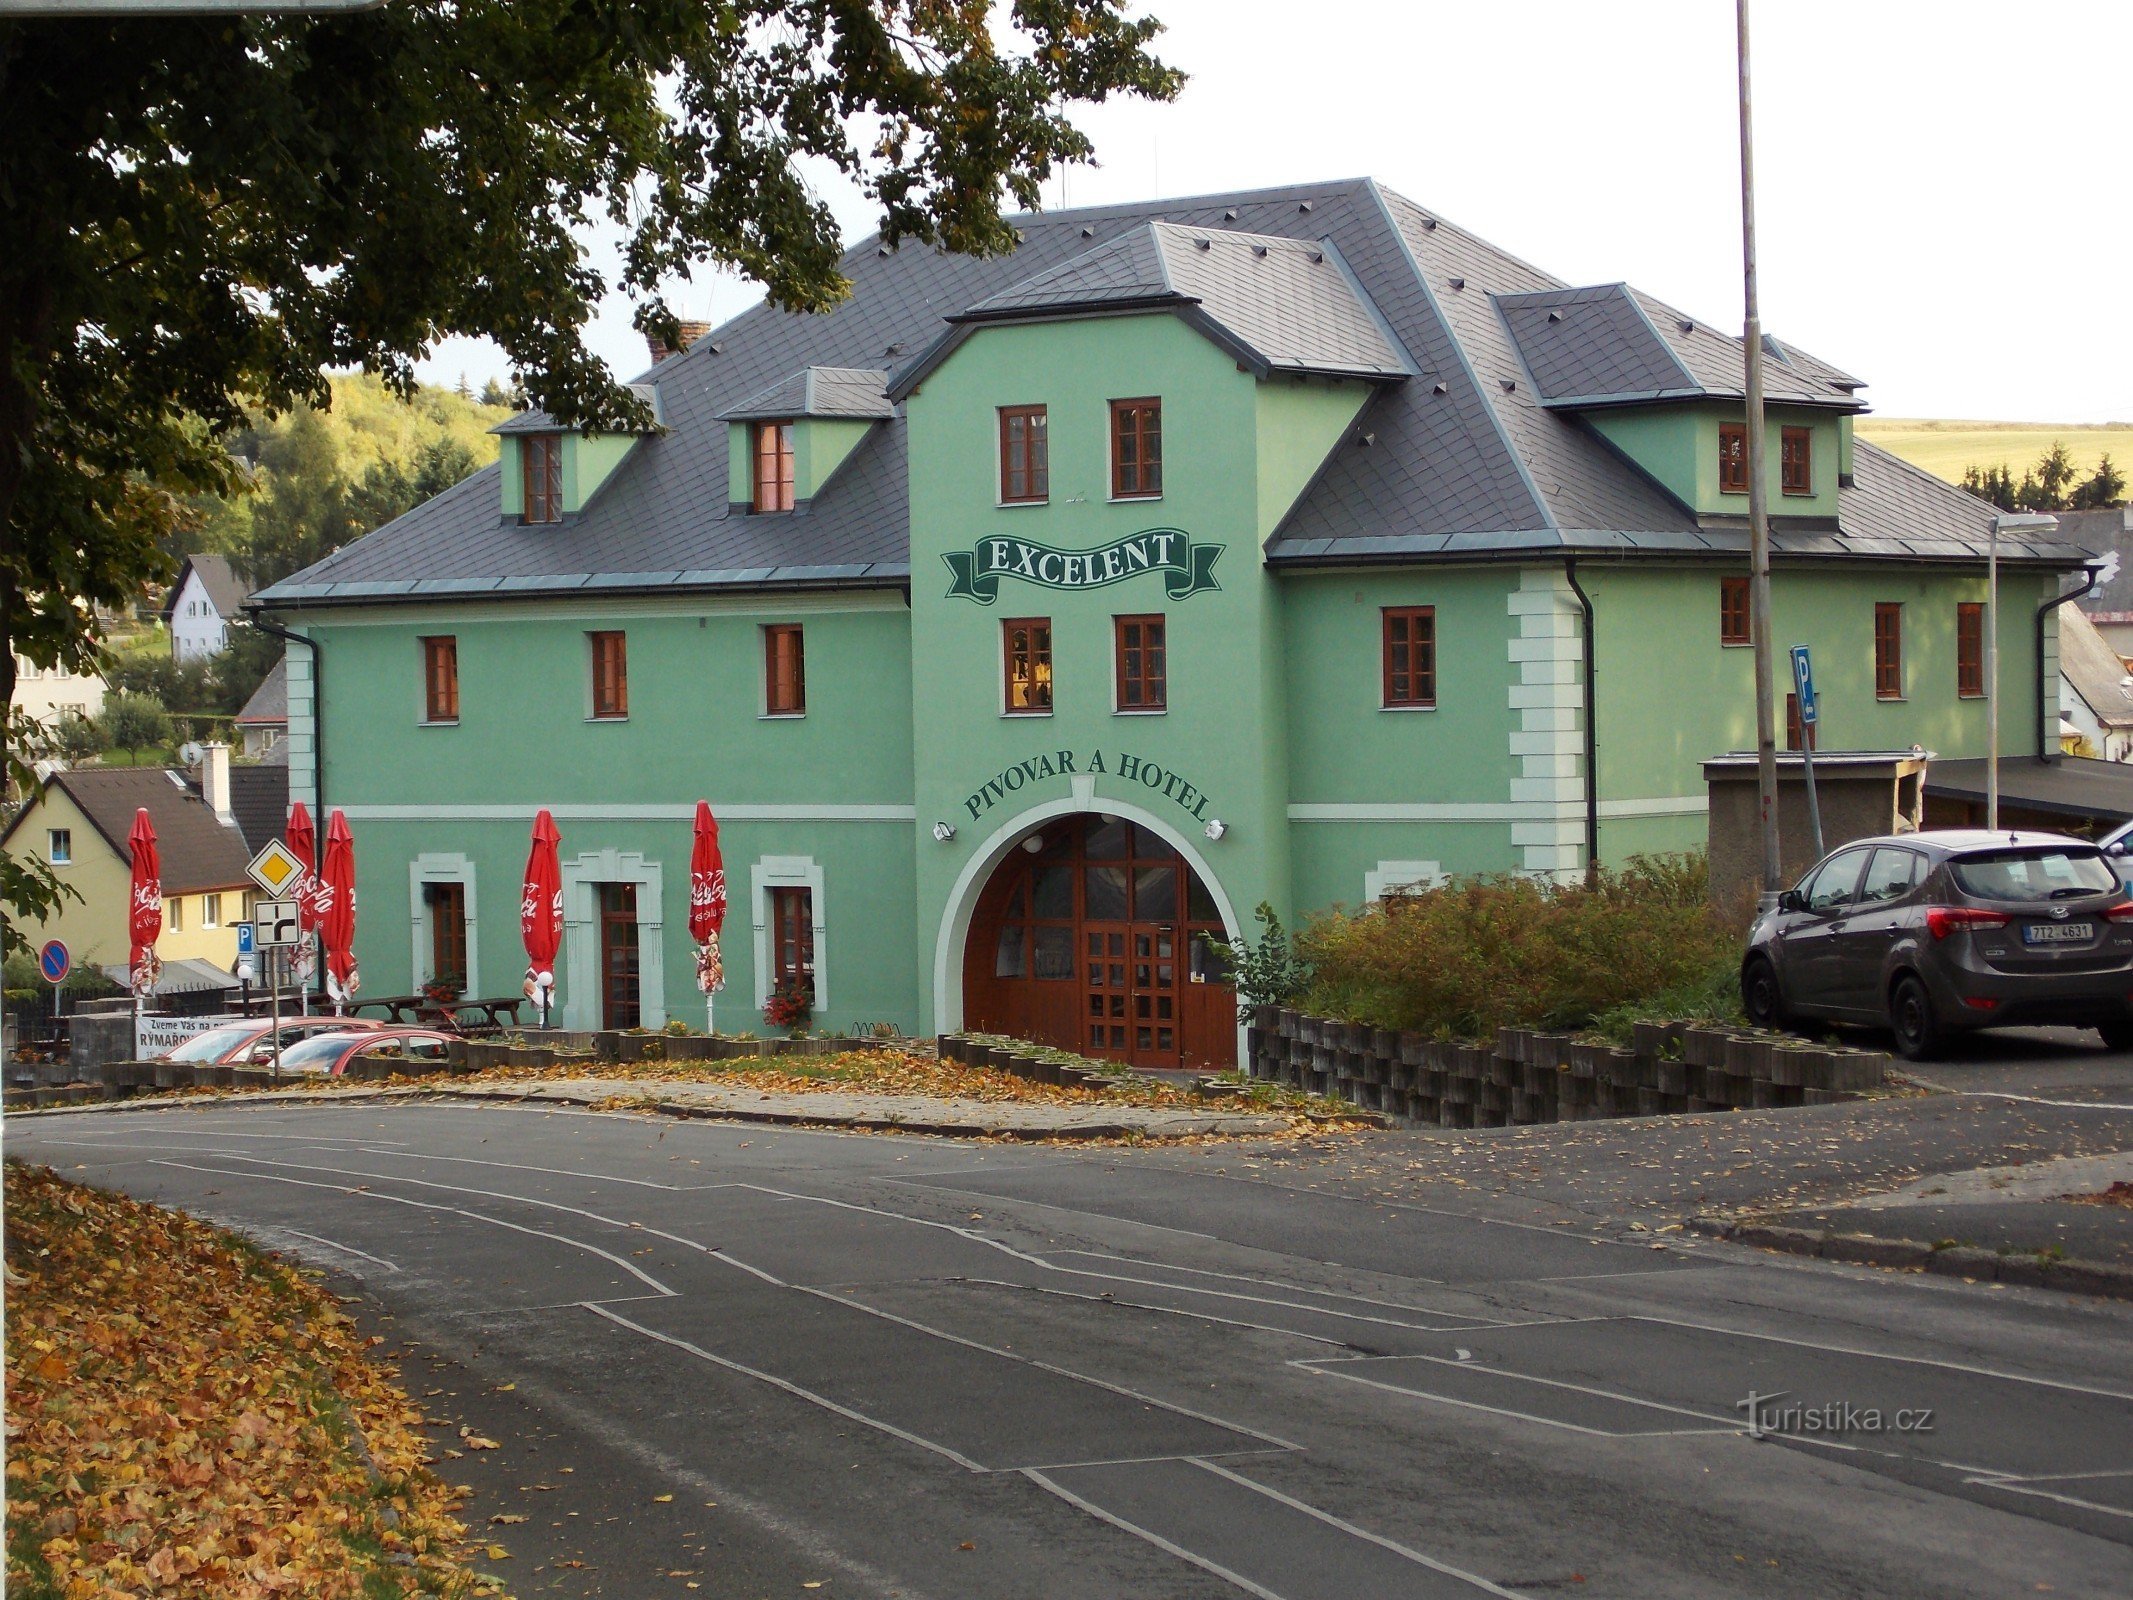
(1091, 934)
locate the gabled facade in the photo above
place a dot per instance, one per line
(204, 600)
(1025, 620)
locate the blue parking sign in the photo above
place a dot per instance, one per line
(245, 935)
(1803, 683)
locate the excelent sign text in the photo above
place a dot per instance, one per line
(1187, 568)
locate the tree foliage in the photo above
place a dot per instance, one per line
(200, 216)
(2053, 484)
(203, 215)
(136, 722)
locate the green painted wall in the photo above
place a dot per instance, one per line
(1235, 454)
(1678, 447)
(1299, 421)
(1669, 694)
(695, 729)
(819, 447)
(588, 462)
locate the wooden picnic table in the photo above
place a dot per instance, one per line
(420, 1011)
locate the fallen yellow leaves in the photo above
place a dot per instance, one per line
(189, 1417)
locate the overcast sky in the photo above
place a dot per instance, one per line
(1942, 205)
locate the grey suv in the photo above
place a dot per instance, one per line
(1935, 933)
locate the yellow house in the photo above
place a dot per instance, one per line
(79, 823)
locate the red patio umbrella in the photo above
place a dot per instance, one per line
(337, 911)
(540, 912)
(145, 914)
(302, 840)
(707, 909)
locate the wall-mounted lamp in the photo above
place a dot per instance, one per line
(1216, 827)
(944, 831)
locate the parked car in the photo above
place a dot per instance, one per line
(252, 1041)
(2118, 845)
(330, 1054)
(1933, 934)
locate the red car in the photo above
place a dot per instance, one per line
(329, 1054)
(251, 1042)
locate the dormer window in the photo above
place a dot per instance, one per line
(1732, 458)
(773, 466)
(540, 458)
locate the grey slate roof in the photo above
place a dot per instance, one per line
(259, 800)
(217, 577)
(1281, 304)
(536, 420)
(1610, 345)
(854, 392)
(1464, 460)
(269, 704)
(2103, 532)
(196, 851)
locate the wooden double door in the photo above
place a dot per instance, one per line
(1093, 935)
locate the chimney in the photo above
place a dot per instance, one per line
(690, 333)
(215, 782)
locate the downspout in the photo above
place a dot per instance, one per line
(1592, 739)
(318, 706)
(2095, 574)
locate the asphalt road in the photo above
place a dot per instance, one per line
(751, 1362)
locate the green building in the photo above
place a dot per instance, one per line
(1364, 554)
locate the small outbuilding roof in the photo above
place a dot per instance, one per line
(2073, 786)
(269, 704)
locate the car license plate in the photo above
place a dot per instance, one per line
(2059, 932)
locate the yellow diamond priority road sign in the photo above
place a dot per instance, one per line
(276, 869)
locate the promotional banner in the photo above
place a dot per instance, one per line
(1187, 568)
(154, 1037)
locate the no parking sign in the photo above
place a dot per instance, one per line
(55, 961)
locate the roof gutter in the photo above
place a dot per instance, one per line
(2095, 575)
(1592, 737)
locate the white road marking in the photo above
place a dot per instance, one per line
(558, 1172)
(2024, 1486)
(334, 1244)
(1325, 1368)
(793, 1389)
(1091, 1508)
(1045, 1366)
(1355, 1532)
(425, 1205)
(1142, 1305)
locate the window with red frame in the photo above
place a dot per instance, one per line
(792, 938)
(1970, 649)
(540, 458)
(785, 671)
(610, 674)
(440, 679)
(1888, 651)
(1732, 458)
(1025, 455)
(773, 466)
(1136, 449)
(1410, 656)
(1733, 625)
(1796, 474)
(1143, 667)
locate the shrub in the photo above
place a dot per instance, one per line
(1489, 953)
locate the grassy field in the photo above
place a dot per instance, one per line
(1945, 447)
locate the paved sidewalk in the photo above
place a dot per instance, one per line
(966, 1118)
(1018, 1119)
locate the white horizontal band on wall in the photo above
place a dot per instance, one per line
(632, 813)
(1680, 805)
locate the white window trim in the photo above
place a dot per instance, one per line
(442, 867)
(580, 978)
(787, 872)
(58, 854)
(1391, 876)
(999, 676)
